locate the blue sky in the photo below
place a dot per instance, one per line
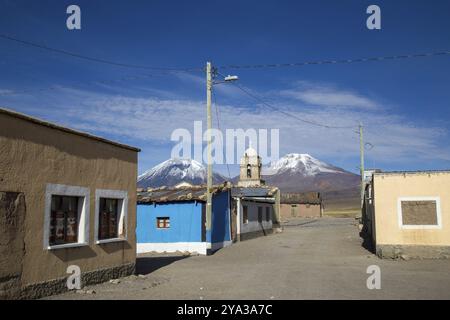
(404, 104)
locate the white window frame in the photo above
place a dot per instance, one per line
(426, 226)
(83, 214)
(122, 196)
(245, 221)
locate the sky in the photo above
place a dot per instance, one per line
(403, 104)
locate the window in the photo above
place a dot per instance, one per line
(244, 214)
(111, 210)
(63, 220)
(66, 216)
(260, 214)
(419, 212)
(108, 226)
(249, 171)
(268, 214)
(163, 222)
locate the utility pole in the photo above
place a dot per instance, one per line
(209, 85)
(361, 166)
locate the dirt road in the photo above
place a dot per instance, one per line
(311, 259)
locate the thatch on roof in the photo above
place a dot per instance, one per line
(301, 198)
(179, 194)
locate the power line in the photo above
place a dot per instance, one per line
(218, 126)
(287, 113)
(100, 82)
(97, 60)
(337, 61)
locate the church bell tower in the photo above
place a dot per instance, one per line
(250, 169)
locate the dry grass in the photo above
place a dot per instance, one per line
(342, 213)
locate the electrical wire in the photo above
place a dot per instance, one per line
(97, 60)
(339, 61)
(246, 91)
(218, 126)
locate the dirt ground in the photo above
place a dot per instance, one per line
(311, 259)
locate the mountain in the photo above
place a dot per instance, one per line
(301, 173)
(174, 171)
(292, 173)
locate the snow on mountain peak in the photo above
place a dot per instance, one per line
(300, 162)
(180, 168)
(176, 170)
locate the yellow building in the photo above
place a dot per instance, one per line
(407, 214)
(67, 198)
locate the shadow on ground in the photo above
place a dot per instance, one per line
(146, 265)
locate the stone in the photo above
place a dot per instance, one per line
(405, 257)
(81, 291)
(114, 281)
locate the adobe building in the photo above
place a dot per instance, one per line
(255, 211)
(66, 198)
(407, 214)
(255, 206)
(174, 220)
(304, 205)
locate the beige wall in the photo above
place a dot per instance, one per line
(32, 155)
(302, 210)
(387, 190)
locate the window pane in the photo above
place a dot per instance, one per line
(108, 218)
(63, 220)
(163, 222)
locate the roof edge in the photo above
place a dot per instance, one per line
(410, 172)
(64, 129)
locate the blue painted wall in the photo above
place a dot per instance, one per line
(185, 221)
(220, 218)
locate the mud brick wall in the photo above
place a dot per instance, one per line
(12, 247)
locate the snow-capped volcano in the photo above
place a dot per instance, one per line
(174, 171)
(300, 163)
(296, 172)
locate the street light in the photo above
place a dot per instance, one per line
(210, 72)
(231, 78)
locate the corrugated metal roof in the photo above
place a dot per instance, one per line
(301, 198)
(253, 191)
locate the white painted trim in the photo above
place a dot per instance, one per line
(438, 213)
(122, 196)
(230, 222)
(160, 247)
(68, 245)
(238, 217)
(83, 213)
(110, 240)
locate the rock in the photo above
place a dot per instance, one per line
(405, 257)
(142, 276)
(114, 281)
(81, 291)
